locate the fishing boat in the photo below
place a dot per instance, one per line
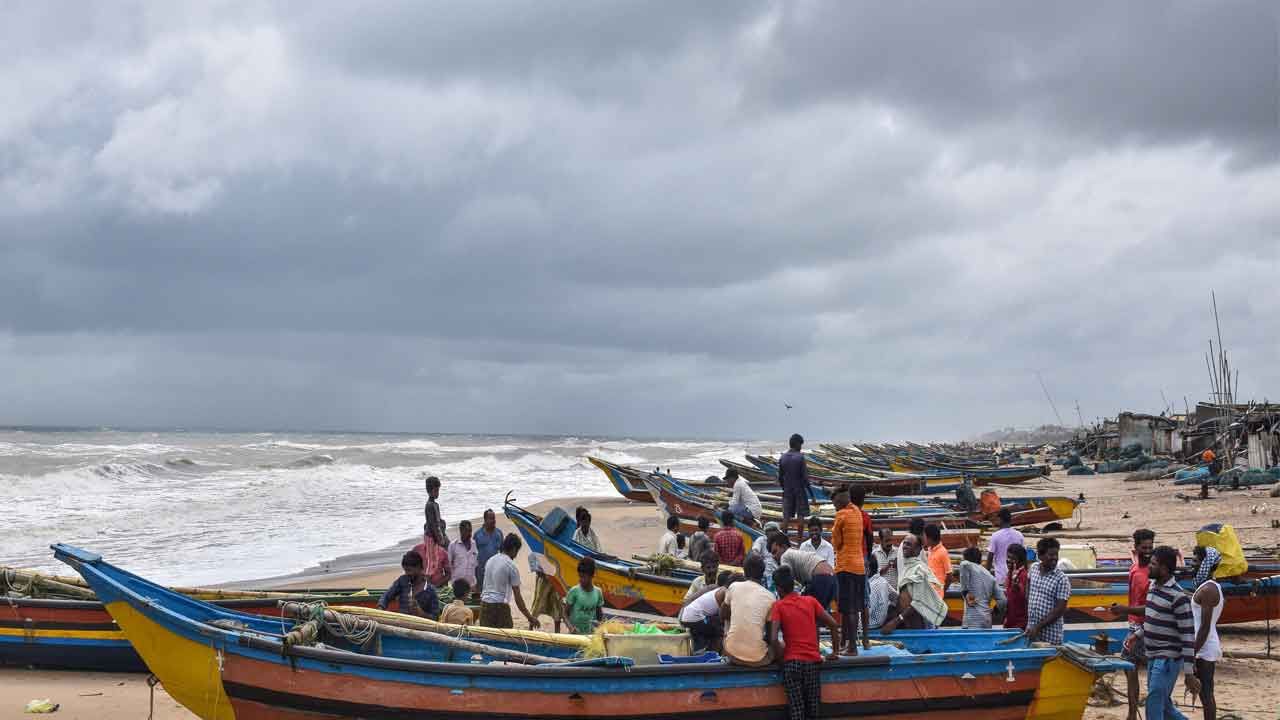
(224, 668)
(1246, 601)
(77, 632)
(683, 501)
(629, 481)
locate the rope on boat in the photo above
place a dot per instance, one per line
(357, 630)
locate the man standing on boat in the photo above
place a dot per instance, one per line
(744, 504)
(793, 476)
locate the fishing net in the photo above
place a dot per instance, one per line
(1081, 470)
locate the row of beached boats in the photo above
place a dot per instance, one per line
(310, 659)
(881, 470)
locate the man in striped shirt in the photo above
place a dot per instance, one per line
(1168, 632)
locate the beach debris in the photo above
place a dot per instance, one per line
(94, 694)
(42, 706)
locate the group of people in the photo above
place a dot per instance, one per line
(772, 610)
(443, 579)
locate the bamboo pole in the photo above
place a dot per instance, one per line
(15, 579)
(295, 610)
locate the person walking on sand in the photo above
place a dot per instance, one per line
(998, 549)
(1169, 637)
(745, 611)
(1206, 608)
(488, 540)
(728, 542)
(501, 582)
(1047, 595)
(851, 569)
(794, 640)
(793, 476)
(1144, 542)
(433, 528)
(744, 503)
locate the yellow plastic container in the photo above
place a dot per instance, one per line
(644, 649)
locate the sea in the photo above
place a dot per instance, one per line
(193, 508)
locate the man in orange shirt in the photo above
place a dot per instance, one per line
(851, 569)
(939, 559)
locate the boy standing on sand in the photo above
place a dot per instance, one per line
(851, 578)
(433, 527)
(795, 619)
(583, 602)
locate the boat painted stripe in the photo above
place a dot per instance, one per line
(57, 625)
(55, 634)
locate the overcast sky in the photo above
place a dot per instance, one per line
(633, 218)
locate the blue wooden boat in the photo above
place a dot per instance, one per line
(224, 670)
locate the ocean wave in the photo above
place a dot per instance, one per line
(310, 461)
(491, 465)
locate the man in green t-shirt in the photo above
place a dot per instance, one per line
(583, 603)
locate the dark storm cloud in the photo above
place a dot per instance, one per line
(1112, 72)
(609, 218)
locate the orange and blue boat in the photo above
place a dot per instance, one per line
(80, 634)
(228, 666)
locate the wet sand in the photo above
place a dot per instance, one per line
(1249, 688)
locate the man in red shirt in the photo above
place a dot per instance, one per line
(1144, 541)
(728, 542)
(795, 619)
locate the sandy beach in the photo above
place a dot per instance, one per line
(1247, 687)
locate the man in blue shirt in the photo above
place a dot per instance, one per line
(793, 476)
(488, 539)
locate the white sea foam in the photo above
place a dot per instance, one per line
(190, 508)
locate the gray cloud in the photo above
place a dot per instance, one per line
(560, 218)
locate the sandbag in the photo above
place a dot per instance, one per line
(1223, 539)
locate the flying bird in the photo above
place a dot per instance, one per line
(788, 406)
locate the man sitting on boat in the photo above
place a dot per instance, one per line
(710, 563)
(745, 610)
(919, 604)
(744, 504)
(700, 615)
(411, 591)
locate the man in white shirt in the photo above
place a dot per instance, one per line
(745, 504)
(816, 544)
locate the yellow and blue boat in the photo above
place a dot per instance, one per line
(228, 666)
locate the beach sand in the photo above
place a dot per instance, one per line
(1250, 688)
